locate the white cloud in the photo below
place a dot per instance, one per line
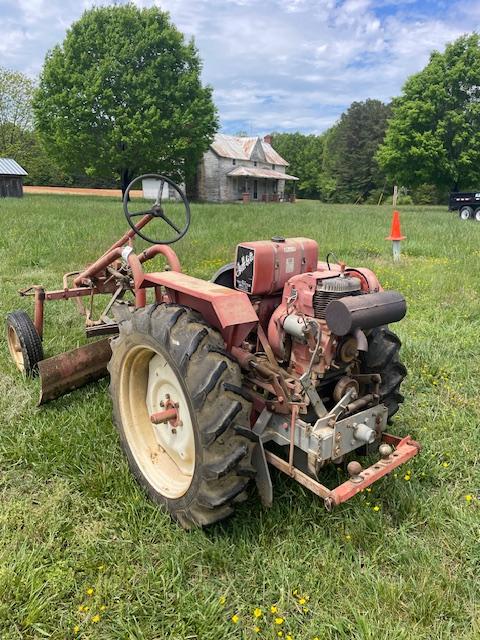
(274, 64)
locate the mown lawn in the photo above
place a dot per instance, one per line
(73, 519)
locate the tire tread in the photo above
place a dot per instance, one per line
(32, 348)
(213, 380)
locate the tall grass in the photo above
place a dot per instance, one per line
(72, 518)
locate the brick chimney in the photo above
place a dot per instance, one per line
(268, 139)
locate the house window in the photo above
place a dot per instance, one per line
(234, 161)
(255, 163)
(273, 167)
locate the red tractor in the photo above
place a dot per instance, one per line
(278, 360)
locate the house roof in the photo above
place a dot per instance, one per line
(260, 172)
(241, 148)
(9, 167)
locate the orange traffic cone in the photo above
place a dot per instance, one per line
(395, 233)
(395, 236)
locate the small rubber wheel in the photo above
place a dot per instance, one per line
(24, 343)
(477, 215)
(383, 357)
(196, 465)
(465, 213)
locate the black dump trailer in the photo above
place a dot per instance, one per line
(467, 205)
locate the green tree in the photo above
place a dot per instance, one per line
(434, 134)
(304, 155)
(350, 170)
(123, 95)
(16, 118)
(18, 140)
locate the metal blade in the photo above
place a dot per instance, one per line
(73, 369)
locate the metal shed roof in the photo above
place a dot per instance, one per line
(241, 148)
(9, 167)
(260, 172)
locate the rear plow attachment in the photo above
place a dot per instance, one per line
(73, 369)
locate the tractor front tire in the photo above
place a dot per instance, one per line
(383, 357)
(197, 469)
(24, 343)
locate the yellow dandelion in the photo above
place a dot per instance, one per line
(96, 618)
(256, 629)
(288, 637)
(406, 477)
(257, 613)
(273, 609)
(222, 600)
(376, 508)
(101, 567)
(445, 464)
(348, 537)
(235, 618)
(103, 607)
(468, 497)
(81, 608)
(279, 620)
(306, 609)
(369, 490)
(89, 591)
(279, 634)
(302, 601)
(76, 629)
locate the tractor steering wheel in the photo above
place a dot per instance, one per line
(157, 210)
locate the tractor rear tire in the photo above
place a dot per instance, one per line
(24, 343)
(383, 357)
(199, 470)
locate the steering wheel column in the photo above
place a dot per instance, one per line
(158, 210)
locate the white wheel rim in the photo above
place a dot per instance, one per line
(465, 214)
(477, 215)
(15, 348)
(164, 454)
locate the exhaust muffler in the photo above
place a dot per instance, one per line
(350, 313)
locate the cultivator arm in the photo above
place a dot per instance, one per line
(117, 272)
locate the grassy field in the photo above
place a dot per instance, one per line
(84, 554)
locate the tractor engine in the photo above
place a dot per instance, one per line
(319, 320)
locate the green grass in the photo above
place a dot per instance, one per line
(72, 517)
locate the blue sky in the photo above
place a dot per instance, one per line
(275, 65)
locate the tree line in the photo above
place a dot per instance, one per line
(426, 141)
(123, 95)
(340, 164)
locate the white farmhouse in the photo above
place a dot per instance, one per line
(241, 168)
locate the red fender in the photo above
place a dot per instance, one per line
(228, 310)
